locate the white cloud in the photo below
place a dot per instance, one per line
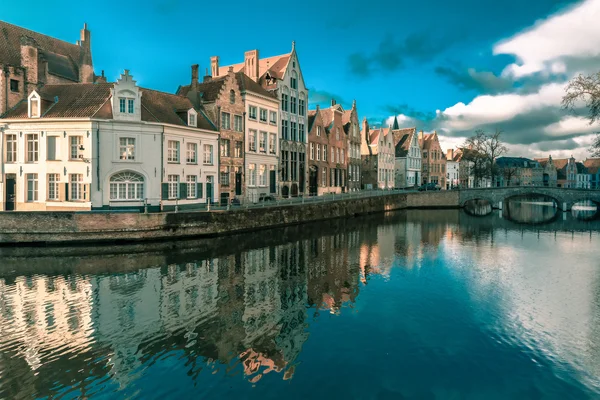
(571, 125)
(489, 109)
(402, 120)
(572, 33)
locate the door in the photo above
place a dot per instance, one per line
(238, 183)
(11, 183)
(273, 181)
(209, 189)
(312, 181)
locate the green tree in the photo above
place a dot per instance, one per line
(585, 90)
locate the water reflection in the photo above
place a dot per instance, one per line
(311, 305)
(530, 209)
(478, 207)
(584, 210)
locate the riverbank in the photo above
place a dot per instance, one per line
(47, 228)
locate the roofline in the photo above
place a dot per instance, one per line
(273, 99)
(94, 119)
(42, 34)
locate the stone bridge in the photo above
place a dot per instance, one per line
(565, 198)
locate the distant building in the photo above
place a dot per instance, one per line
(593, 167)
(584, 178)
(352, 129)
(408, 159)
(566, 172)
(434, 160)
(30, 60)
(452, 171)
(518, 171)
(550, 172)
(378, 157)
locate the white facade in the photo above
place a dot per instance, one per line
(262, 145)
(584, 181)
(408, 167)
(452, 174)
(386, 160)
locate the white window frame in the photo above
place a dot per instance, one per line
(127, 149)
(173, 147)
(192, 118)
(192, 183)
(32, 187)
(252, 113)
(252, 175)
(262, 175)
(265, 113)
(77, 190)
(191, 150)
(53, 187)
(208, 154)
(123, 184)
(173, 182)
(11, 148)
(32, 155)
(34, 106)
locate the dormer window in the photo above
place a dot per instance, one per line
(126, 105)
(34, 105)
(192, 115)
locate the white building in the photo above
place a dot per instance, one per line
(261, 160)
(452, 171)
(282, 76)
(93, 146)
(408, 158)
(583, 178)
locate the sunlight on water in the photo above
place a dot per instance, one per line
(419, 304)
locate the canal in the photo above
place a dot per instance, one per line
(407, 305)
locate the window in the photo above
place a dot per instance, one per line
(130, 106)
(425, 154)
(337, 133)
(208, 154)
(77, 187)
(339, 159)
(294, 166)
(225, 148)
(343, 157)
(263, 115)
(14, 85)
(232, 96)
(191, 186)
(262, 143)
(191, 119)
(173, 181)
(273, 115)
(293, 105)
(53, 182)
(284, 102)
(173, 151)
(252, 174)
(324, 174)
(225, 120)
(192, 153)
(122, 105)
(225, 177)
(11, 148)
(332, 155)
(318, 131)
(51, 148)
(32, 147)
(262, 175)
(126, 148)
(284, 130)
(312, 152)
(127, 186)
(301, 132)
(324, 152)
(32, 187)
(252, 140)
(272, 141)
(294, 129)
(34, 107)
(301, 107)
(318, 152)
(252, 112)
(239, 146)
(294, 82)
(284, 165)
(237, 123)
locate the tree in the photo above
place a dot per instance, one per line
(585, 89)
(509, 173)
(485, 148)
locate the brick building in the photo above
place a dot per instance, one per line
(29, 60)
(352, 129)
(433, 160)
(221, 97)
(378, 157)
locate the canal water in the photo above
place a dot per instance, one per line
(407, 305)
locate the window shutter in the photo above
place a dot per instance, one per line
(87, 193)
(66, 192)
(199, 190)
(165, 191)
(61, 192)
(182, 191)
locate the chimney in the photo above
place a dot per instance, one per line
(101, 78)
(230, 71)
(421, 135)
(214, 66)
(366, 127)
(207, 77)
(85, 37)
(318, 108)
(195, 77)
(450, 155)
(251, 64)
(332, 102)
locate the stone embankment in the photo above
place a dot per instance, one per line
(117, 227)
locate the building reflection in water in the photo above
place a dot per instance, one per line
(245, 310)
(530, 210)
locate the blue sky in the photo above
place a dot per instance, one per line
(409, 58)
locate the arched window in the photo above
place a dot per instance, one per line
(232, 96)
(127, 186)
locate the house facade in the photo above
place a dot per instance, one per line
(378, 157)
(518, 171)
(222, 99)
(30, 60)
(407, 159)
(282, 75)
(550, 173)
(94, 146)
(584, 177)
(261, 157)
(452, 171)
(352, 129)
(593, 167)
(434, 160)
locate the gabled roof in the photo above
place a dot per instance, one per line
(403, 144)
(312, 116)
(400, 132)
(92, 100)
(516, 162)
(209, 90)
(427, 140)
(276, 65)
(581, 169)
(53, 49)
(593, 165)
(247, 84)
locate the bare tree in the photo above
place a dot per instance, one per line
(509, 173)
(586, 90)
(486, 148)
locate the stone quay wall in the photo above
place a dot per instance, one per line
(116, 227)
